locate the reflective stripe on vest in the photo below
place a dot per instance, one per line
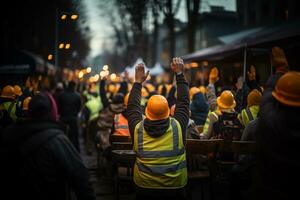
(248, 114)
(10, 107)
(157, 154)
(165, 165)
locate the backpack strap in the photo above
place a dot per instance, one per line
(249, 114)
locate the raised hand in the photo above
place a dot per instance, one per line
(177, 65)
(140, 75)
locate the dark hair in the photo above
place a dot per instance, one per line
(71, 85)
(118, 98)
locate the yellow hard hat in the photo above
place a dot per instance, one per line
(287, 89)
(157, 108)
(150, 87)
(193, 91)
(18, 90)
(111, 88)
(226, 100)
(126, 98)
(254, 98)
(203, 89)
(26, 103)
(8, 92)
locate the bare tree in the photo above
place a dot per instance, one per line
(193, 7)
(170, 11)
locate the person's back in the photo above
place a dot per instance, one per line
(199, 109)
(39, 162)
(278, 139)
(69, 102)
(160, 170)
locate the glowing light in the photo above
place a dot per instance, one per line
(80, 74)
(194, 64)
(50, 57)
(88, 70)
(74, 17)
(68, 46)
(113, 76)
(61, 45)
(63, 17)
(105, 67)
(96, 77)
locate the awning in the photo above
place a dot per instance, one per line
(264, 38)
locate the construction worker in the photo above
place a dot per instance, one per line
(250, 113)
(120, 121)
(278, 139)
(19, 99)
(199, 107)
(217, 127)
(7, 106)
(160, 169)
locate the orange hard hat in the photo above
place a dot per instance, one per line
(111, 88)
(226, 100)
(254, 98)
(287, 89)
(203, 89)
(8, 92)
(278, 57)
(193, 91)
(172, 110)
(126, 98)
(18, 90)
(157, 108)
(26, 103)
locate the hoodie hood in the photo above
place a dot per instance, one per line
(117, 108)
(156, 128)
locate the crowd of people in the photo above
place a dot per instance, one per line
(40, 130)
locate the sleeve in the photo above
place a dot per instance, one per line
(171, 97)
(134, 109)
(103, 96)
(72, 166)
(211, 96)
(123, 88)
(182, 104)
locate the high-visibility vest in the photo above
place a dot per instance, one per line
(248, 114)
(10, 107)
(94, 105)
(207, 122)
(160, 161)
(121, 125)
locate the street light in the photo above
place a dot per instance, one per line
(68, 46)
(61, 45)
(74, 17)
(50, 57)
(63, 17)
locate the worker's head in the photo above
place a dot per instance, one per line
(287, 89)
(18, 90)
(71, 86)
(193, 91)
(8, 92)
(157, 108)
(126, 98)
(26, 102)
(254, 98)
(226, 100)
(278, 59)
(118, 98)
(40, 107)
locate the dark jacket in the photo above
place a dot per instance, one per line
(38, 162)
(69, 104)
(199, 109)
(278, 139)
(159, 127)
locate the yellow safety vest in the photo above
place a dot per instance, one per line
(94, 105)
(10, 107)
(248, 114)
(160, 161)
(207, 122)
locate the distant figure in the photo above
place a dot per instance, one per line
(69, 105)
(38, 161)
(7, 106)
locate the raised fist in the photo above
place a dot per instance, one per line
(140, 75)
(177, 65)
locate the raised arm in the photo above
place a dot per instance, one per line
(182, 102)
(134, 109)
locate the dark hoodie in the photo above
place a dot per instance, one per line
(199, 109)
(158, 127)
(278, 141)
(39, 160)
